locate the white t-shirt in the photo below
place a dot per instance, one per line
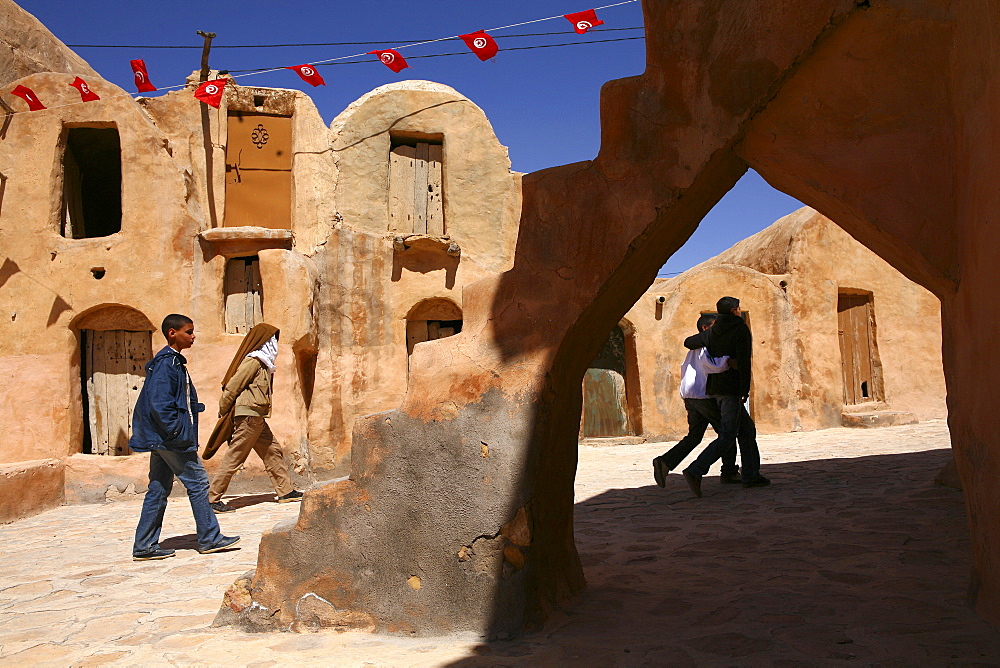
(694, 372)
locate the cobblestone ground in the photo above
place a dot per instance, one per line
(852, 555)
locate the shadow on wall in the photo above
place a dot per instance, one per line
(862, 558)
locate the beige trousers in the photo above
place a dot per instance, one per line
(251, 433)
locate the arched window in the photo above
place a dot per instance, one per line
(432, 319)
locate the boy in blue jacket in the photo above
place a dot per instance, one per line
(165, 424)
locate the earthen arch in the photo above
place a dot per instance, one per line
(718, 94)
(106, 317)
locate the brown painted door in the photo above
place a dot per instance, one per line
(415, 189)
(857, 349)
(605, 411)
(259, 171)
(113, 367)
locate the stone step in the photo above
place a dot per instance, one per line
(872, 419)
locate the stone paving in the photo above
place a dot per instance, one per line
(853, 555)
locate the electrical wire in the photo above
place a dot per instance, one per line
(281, 46)
(439, 55)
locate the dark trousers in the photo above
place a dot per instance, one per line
(700, 414)
(735, 423)
(163, 466)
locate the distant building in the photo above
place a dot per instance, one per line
(840, 337)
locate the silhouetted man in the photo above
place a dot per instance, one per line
(702, 410)
(729, 337)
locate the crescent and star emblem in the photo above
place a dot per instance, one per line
(584, 25)
(308, 71)
(479, 42)
(387, 57)
(212, 89)
(139, 78)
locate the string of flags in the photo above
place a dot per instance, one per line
(480, 43)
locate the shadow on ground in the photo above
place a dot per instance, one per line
(861, 559)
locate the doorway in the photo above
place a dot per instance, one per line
(113, 370)
(858, 352)
(610, 390)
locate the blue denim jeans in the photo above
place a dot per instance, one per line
(734, 421)
(700, 414)
(163, 466)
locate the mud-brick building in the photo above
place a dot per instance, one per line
(840, 337)
(354, 239)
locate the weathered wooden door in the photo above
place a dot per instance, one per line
(244, 294)
(415, 189)
(857, 349)
(113, 368)
(605, 411)
(259, 171)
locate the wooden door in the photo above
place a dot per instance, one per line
(857, 349)
(114, 371)
(243, 294)
(415, 189)
(259, 171)
(605, 411)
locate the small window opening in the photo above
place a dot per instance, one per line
(92, 183)
(258, 100)
(864, 389)
(244, 294)
(98, 272)
(416, 185)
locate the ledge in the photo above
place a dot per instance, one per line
(404, 242)
(239, 240)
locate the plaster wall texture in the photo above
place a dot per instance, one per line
(28, 48)
(798, 380)
(30, 487)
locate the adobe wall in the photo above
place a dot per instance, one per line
(47, 278)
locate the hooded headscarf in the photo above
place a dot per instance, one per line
(252, 342)
(256, 340)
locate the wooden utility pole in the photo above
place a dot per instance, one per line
(206, 132)
(209, 36)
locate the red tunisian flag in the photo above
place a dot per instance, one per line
(391, 59)
(308, 74)
(211, 92)
(583, 21)
(481, 44)
(142, 76)
(29, 96)
(86, 94)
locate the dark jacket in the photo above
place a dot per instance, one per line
(161, 419)
(728, 336)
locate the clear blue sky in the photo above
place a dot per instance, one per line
(543, 103)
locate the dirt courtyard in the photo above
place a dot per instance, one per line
(852, 555)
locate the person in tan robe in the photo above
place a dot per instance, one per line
(246, 400)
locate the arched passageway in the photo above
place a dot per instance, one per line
(832, 102)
